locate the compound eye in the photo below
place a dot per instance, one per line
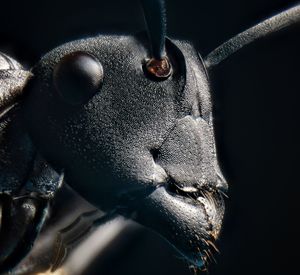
(77, 77)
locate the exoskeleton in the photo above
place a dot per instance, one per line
(126, 121)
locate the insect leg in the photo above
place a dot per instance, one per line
(73, 233)
(23, 213)
(20, 223)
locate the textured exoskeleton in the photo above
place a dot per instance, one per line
(127, 123)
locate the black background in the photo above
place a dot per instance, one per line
(256, 95)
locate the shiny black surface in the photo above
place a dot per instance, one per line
(77, 77)
(256, 113)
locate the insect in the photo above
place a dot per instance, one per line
(126, 121)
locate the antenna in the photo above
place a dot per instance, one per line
(158, 65)
(266, 27)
